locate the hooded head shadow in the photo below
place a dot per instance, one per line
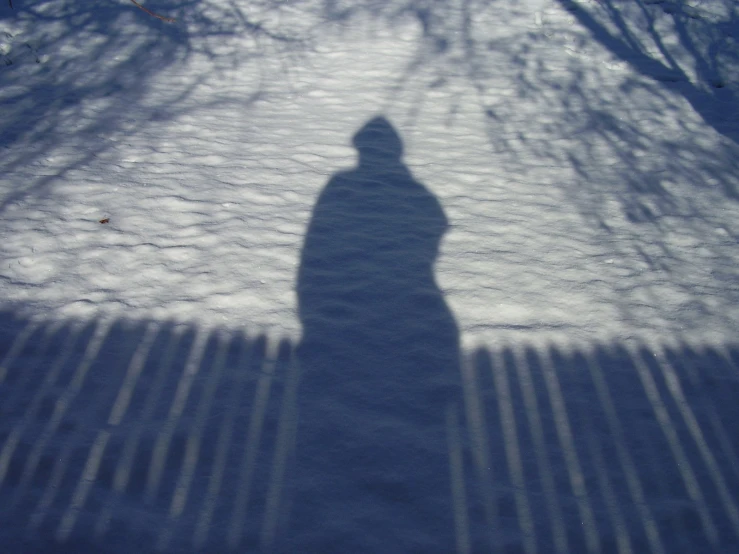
(379, 358)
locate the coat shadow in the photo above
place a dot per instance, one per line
(379, 363)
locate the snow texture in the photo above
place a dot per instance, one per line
(357, 276)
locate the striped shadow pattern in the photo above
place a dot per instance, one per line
(143, 436)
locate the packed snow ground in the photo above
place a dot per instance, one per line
(585, 155)
(585, 198)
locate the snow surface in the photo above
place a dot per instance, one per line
(543, 265)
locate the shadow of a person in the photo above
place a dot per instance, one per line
(379, 358)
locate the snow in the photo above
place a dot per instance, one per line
(572, 275)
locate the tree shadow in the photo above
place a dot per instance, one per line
(379, 363)
(76, 80)
(706, 37)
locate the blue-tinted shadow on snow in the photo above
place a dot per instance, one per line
(379, 358)
(705, 37)
(123, 436)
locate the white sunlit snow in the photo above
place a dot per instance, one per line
(585, 157)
